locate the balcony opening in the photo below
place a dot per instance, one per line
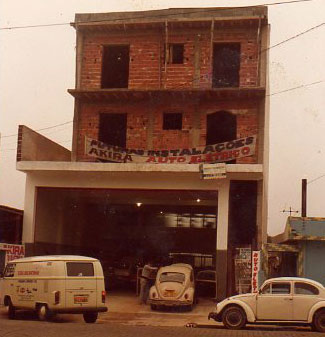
(226, 65)
(115, 67)
(112, 129)
(172, 121)
(221, 127)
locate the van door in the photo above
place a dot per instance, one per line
(81, 287)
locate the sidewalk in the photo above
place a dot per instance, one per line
(124, 308)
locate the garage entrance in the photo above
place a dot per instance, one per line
(125, 228)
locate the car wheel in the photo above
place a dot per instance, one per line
(11, 310)
(319, 321)
(234, 318)
(90, 317)
(43, 312)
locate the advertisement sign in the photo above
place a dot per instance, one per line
(221, 152)
(256, 259)
(12, 251)
(213, 171)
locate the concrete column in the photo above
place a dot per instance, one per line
(29, 215)
(222, 239)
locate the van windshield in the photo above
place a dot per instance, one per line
(172, 277)
(80, 269)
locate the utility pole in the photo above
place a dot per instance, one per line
(303, 198)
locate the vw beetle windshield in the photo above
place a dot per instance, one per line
(172, 277)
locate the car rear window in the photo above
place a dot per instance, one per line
(172, 277)
(305, 289)
(80, 269)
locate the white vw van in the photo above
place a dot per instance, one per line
(55, 284)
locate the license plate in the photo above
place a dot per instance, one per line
(80, 299)
(169, 293)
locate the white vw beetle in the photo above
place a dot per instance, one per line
(289, 300)
(174, 286)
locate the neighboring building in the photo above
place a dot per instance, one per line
(11, 224)
(155, 92)
(299, 250)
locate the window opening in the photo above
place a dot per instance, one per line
(176, 53)
(115, 67)
(112, 129)
(172, 121)
(221, 127)
(226, 65)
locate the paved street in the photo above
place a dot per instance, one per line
(26, 325)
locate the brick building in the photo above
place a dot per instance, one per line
(157, 93)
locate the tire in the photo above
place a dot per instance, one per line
(43, 312)
(11, 310)
(319, 321)
(90, 317)
(234, 318)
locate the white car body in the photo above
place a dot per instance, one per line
(279, 300)
(55, 284)
(174, 286)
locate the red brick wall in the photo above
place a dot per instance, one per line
(147, 71)
(147, 67)
(139, 126)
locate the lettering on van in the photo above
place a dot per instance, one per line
(28, 272)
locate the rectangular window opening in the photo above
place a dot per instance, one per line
(226, 65)
(115, 67)
(172, 121)
(175, 53)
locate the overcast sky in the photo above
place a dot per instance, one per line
(37, 66)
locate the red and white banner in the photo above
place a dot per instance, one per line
(221, 152)
(256, 260)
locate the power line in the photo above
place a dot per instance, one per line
(295, 88)
(49, 127)
(309, 182)
(153, 16)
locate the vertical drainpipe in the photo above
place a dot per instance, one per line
(211, 51)
(79, 50)
(166, 52)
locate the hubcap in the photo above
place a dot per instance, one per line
(234, 318)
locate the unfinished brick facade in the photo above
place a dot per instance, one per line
(156, 86)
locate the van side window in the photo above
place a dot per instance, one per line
(80, 269)
(10, 270)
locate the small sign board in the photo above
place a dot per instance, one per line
(213, 171)
(256, 260)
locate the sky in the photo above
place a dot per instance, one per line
(37, 66)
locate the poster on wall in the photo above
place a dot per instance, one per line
(242, 264)
(222, 152)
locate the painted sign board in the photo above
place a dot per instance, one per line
(256, 261)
